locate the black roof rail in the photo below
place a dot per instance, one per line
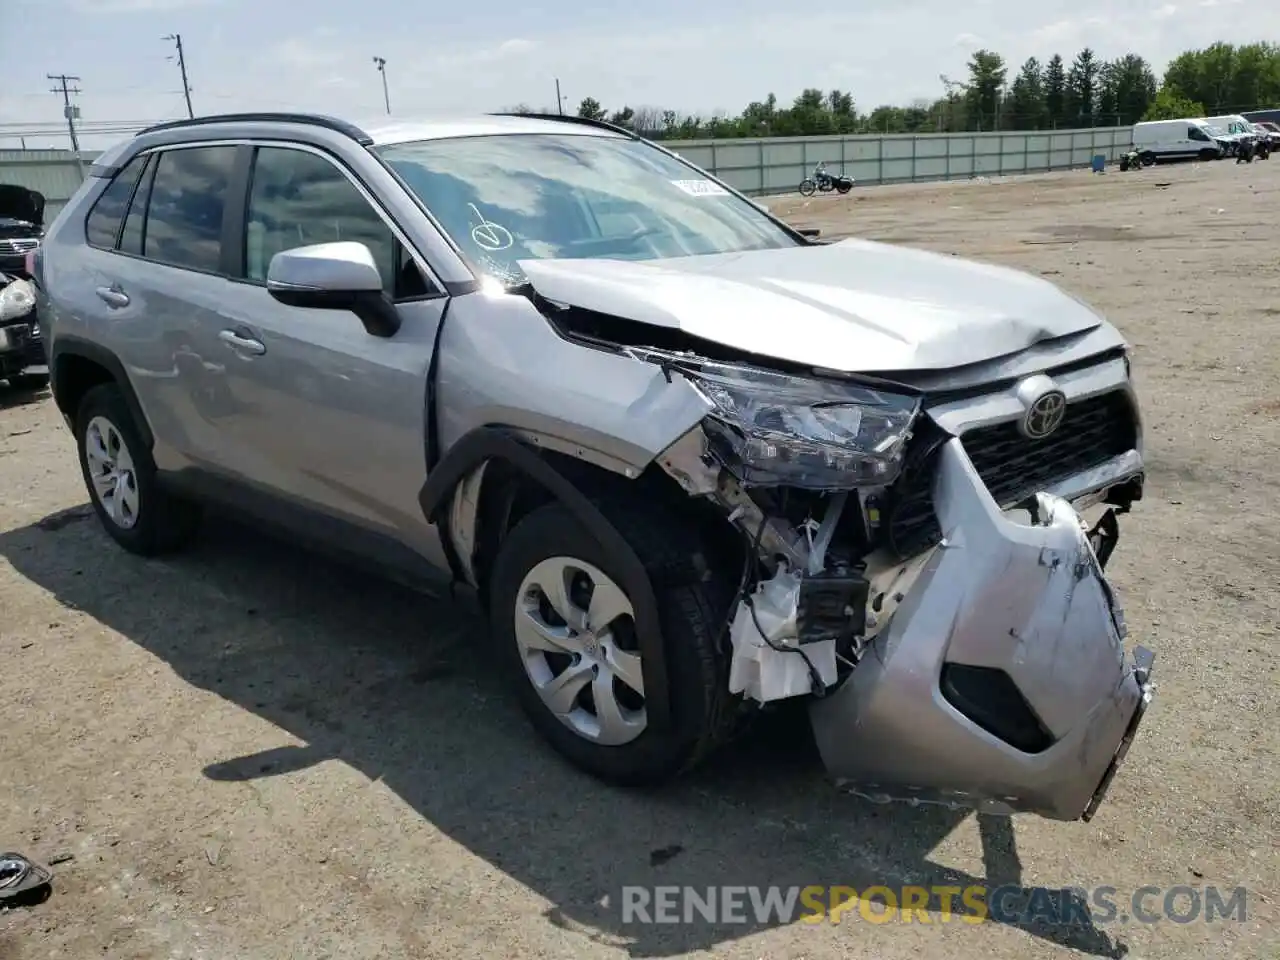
(310, 119)
(573, 118)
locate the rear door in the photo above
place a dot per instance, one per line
(324, 414)
(153, 281)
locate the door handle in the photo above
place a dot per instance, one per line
(242, 344)
(113, 296)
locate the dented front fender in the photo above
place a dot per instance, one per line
(1001, 681)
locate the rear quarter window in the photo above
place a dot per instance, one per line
(102, 226)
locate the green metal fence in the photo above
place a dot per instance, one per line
(778, 164)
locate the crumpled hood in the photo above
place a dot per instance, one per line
(19, 203)
(853, 306)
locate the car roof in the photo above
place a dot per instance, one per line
(382, 132)
(385, 132)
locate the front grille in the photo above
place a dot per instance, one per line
(18, 247)
(1012, 466)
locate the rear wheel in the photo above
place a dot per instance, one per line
(121, 478)
(808, 188)
(567, 638)
(844, 186)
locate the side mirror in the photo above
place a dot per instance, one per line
(334, 276)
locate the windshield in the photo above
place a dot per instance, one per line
(1216, 131)
(511, 197)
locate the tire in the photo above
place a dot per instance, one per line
(844, 188)
(138, 514)
(1208, 155)
(29, 381)
(692, 608)
(1147, 158)
(808, 188)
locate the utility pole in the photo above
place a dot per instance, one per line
(182, 65)
(559, 99)
(381, 64)
(69, 111)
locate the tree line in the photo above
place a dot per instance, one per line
(1087, 92)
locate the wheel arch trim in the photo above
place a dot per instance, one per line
(70, 346)
(484, 444)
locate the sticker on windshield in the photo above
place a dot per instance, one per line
(488, 235)
(701, 188)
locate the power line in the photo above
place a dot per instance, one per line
(182, 66)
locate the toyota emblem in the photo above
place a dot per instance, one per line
(1045, 415)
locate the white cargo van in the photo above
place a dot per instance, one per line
(1240, 129)
(1164, 140)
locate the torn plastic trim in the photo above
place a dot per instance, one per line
(785, 633)
(1030, 600)
(464, 507)
(774, 656)
(892, 577)
(690, 462)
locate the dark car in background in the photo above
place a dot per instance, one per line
(22, 354)
(21, 227)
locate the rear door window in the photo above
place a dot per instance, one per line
(102, 226)
(135, 221)
(187, 199)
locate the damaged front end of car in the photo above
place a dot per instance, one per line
(924, 574)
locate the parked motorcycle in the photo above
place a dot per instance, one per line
(823, 182)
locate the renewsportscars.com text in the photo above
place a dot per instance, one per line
(1068, 906)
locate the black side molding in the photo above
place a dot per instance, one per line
(65, 346)
(493, 443)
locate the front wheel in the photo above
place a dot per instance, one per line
(1147, 158)
(807, 187)
(565, 626)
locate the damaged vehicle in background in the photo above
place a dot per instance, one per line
(691, 461)
(22, 356)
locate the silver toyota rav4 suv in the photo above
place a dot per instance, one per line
(690, 460)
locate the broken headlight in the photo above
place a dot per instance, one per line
(772, 429)
(16, 300)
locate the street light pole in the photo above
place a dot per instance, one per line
(381, 64)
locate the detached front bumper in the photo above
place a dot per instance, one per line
(1001, 681)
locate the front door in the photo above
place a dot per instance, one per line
(326, 415)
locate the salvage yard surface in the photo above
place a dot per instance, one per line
(251, 753)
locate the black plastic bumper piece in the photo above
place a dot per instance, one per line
(832, 605)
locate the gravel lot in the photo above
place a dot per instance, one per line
(252, 753)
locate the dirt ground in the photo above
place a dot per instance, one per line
(247, 752)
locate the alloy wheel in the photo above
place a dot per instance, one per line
(575, 629)
(112, 474)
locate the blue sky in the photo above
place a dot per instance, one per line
(699, 57)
